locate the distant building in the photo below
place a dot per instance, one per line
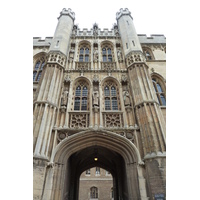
(96, 183)
(99, 103)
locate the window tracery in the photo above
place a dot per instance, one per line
(81, 97)
(84, 53)
(111, 96)
(79, 115)
(148, 53)
(38, 67)
(160, 91)
(107, 53)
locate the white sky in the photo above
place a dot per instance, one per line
(149, 16)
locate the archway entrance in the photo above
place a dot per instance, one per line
(78, 152)
(105, 158)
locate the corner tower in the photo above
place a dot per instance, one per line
(46, 105)
(63, 31)
(127, 30)
(146, 106)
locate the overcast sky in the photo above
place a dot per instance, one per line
(149, 16)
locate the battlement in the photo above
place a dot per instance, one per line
(143, 38)
(89, 33)
(38, 41)
(67, 12)
(154, 38)
(123, 12)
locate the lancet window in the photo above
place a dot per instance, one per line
(107, 54)
(159, 91)
(81, 97)
(84, 53)
(37, 71)
(111, 96)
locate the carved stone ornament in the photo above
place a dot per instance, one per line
(74, 30)
(96, 78)
(95, 98)
(116, 30)
(63, 109)
(95, 55)
(61, 136)
(67, 79)
(126, 96)
(95, 29)
(124, 78)
(50, 164)
(119, 55)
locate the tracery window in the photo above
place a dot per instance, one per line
(37, 71)
(110, 94)
(93, 192)
(148, 54)
(159, 92)
(81, 97)
(107, 54)
(84, 53)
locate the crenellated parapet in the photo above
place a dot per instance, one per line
(98, 32)
(67, 12)
(123, 12)
(154, 38)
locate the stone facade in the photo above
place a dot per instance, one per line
(99, 93)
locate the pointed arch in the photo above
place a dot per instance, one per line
(148, 53)
(39, 61)
(159, 88)
(103, 138)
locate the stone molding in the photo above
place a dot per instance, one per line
(147, 102)
(45, 102)
(155, 155)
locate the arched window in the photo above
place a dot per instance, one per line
(94, 192)
(37, 71)
(84, 54)
(112, 193)
(148, 54)
(107, 54)
(159, 92)
(111, 97)
(81, 98)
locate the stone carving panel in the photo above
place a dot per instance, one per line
(108, 66)
(83, 66)
(113, 120)
(79, 120)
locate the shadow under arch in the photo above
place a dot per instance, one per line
(74, 155)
